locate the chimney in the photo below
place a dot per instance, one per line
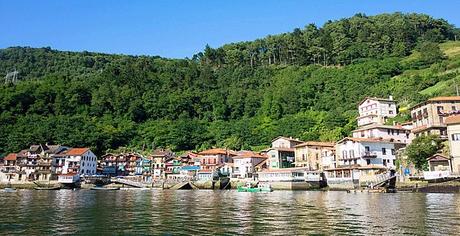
(390, 97)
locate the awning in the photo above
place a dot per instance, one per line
(190, 168)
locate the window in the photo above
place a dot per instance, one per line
(388, 131)
(456, 137)
(439, 109)
(454, 108)
(368, 161)
(384, 151)
(397, 132)
(344, 154)
(367, 148)
(392, 152)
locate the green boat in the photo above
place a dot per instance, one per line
(260, 188)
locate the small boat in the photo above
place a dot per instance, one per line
(104, 188)
(9, 190)
(260, 188)
(48, 188)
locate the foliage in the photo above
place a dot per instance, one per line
(304, 84)
(421, 148)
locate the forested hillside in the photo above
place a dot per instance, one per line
(304, 84)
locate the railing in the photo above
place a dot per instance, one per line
(369, 154)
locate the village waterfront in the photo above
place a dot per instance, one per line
(207, 212)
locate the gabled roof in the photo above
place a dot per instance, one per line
(161, 153)
(10, 157)
(314, 143)
(377, 99)
(438, 99)
(376, 126)
(452, 120)
(438, 157)
(34, 148)
(217, 151)
(261, 163)
(76, 151)
(248, 154)
(289, 139)
(22, 153)
(369, 140)
(444, 99)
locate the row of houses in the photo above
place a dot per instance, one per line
(47, 162)
(374, 145)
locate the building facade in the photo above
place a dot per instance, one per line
(389, 132)
(365, 152)
(315, 155)
(429, 117)
(245, 162)
(453, 132)
(282, 152)
(376, 110)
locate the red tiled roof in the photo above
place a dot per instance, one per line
(76, 151)
(249, 154)
(444, 99)
(452, 120)
(217, 151)
(11, 157)
(437, 99)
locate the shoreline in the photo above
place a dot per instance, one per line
(419, 186)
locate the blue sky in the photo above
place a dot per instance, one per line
(178, 29)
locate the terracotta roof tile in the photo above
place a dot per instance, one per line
(11, 157)
(452, 120)
(249, 154)
(444, 99)
(217, 151)
(76, 151)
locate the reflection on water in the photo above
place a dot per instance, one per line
(227, 212)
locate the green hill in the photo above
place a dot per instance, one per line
(306, 84)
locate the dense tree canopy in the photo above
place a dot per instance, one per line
(238, 96)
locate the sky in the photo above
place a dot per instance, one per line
(178, 29)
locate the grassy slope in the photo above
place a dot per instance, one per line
(447, 87)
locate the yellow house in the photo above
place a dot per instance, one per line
(315, 155)
(429, 117)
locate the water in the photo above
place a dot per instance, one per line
(189, 212)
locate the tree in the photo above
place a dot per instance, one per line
(422, 148)
(430, 53)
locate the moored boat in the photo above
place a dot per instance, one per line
(260, 188)
(105, 189)
(48, 188)
(9, 190)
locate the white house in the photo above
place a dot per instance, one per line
(282, 152)
(376, 110)
(80, 161)
(244, 163)
(397, 133)
(367, 151)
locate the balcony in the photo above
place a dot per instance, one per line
(369, 154)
